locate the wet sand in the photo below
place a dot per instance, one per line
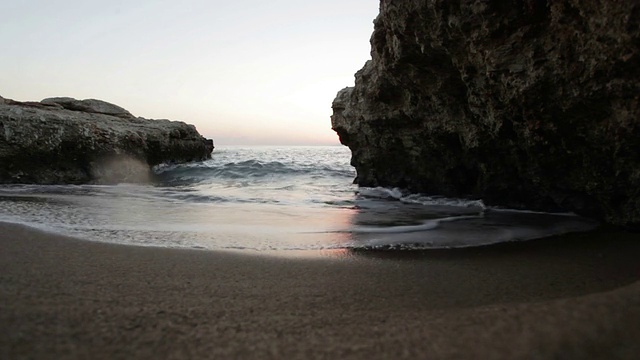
(571, 297)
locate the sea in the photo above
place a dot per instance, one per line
(283, 200)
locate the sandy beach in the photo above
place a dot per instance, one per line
(572, 297)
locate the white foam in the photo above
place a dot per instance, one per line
(442, 201)
(380, 193)
(419, 199)
(424, 226)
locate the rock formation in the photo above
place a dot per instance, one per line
(69, 141)
(525, 103)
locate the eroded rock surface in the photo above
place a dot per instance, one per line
(69, 141)
(89, 106)
(527, 103)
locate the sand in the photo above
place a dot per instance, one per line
(571, 297)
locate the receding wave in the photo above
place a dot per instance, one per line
(491, 227)
(391, 218)
(425, 225)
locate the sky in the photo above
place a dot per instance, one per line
(244, 72)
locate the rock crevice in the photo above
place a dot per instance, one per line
(527, 104)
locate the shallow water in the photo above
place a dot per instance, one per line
(271, 198)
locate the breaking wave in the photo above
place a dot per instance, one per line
(247, 170)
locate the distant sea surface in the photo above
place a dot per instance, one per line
(271, 199)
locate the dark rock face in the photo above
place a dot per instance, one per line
(68, 141)
(525, 103)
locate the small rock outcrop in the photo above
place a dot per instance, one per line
(69, 141)
(527, 103)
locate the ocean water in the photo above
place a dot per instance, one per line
(283, 199)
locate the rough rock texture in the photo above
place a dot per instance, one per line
(63, 140)
(89, 105)
(526, 103)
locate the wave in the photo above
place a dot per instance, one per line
(247, 169)
(419, 199)
(272, 200)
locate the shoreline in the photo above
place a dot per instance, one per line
(71, 298)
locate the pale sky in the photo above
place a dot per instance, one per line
(242, 71)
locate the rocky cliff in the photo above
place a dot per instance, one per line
(64, 140)
(524, 103)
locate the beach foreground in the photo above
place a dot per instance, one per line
(572, 297)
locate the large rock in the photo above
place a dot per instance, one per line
(63, 140)
(527, 104)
